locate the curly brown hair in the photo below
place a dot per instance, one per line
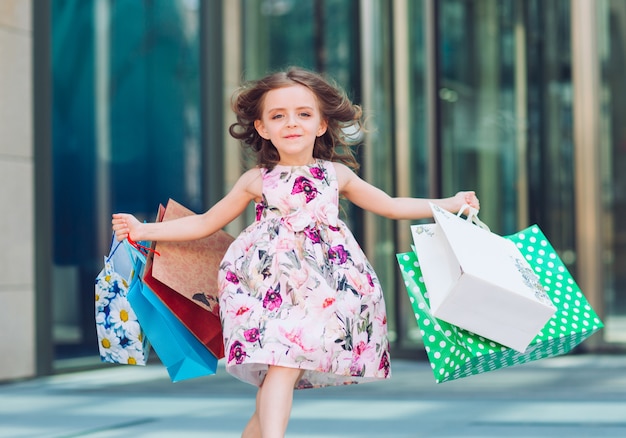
(344, 118)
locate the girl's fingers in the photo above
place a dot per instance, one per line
(472, 200)
(119, 226)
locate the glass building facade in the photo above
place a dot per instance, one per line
(459, 94)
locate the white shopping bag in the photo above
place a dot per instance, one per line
(479, 281)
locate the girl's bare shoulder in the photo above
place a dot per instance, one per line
(344, 175)
(251, 181)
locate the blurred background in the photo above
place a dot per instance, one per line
(118, 105)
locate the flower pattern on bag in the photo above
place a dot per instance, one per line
(120, 338)
(296, 289)
(532, 281)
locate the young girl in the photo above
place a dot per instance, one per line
(300, 304)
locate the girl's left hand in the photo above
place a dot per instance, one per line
(466, 198)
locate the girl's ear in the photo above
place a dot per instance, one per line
(260, 128)
(322, 129)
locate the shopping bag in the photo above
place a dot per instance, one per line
(455, 353)
(202, 321)
(121, 338)
(183, 355)
(190, 268)
(480, 281)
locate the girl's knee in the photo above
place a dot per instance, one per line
(292, 375)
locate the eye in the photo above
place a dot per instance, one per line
(305, 115)
(276, 116)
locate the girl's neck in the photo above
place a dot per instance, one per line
(295, 163)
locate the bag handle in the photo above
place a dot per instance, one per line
(112, 251)
(141, 248)
(138, 259)
(135, 249)
(472, 216)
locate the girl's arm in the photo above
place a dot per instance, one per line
(246, 189)
(375, 200)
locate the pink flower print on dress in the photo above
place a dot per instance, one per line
(303, 185)
(272, 299)
(238, 311)
(251, 335)
(312, 234)
(338, 255)
(237, 353)
(327, 214)
(260, 208)
(297, 221)
(363, 352)
(285, 244)
(363, 285)
(356, 369)
(242, 310)
(273, 179)
(328, 302)
(300, 345)
(232, 277)
(317, 173)
(299, 277)
(384, 363)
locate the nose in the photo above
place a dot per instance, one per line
(292, 120)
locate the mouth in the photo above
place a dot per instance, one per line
(291, 137)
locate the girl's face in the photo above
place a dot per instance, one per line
(291, 120)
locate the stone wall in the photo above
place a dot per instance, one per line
(17, 290)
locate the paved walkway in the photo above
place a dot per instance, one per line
(571, 396)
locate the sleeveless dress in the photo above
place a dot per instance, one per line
(296, 290)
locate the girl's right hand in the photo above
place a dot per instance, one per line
(125, 225)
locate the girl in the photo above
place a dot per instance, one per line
(300, 304)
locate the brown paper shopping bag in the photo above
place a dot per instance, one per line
(190, 268)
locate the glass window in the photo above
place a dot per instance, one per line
(317, 35)
(506, 112)
(418, 150)
(413, 160)
(479, 122)
(612, 28)
(550, 125)
(378, 160)
(126, 136)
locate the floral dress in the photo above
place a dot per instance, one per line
(297, 291)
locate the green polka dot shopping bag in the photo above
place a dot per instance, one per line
(455, 353)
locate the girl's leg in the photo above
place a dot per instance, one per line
(253, 428)
(274, 400)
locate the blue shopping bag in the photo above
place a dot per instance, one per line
(184, 356)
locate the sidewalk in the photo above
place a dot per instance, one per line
(571, 396)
